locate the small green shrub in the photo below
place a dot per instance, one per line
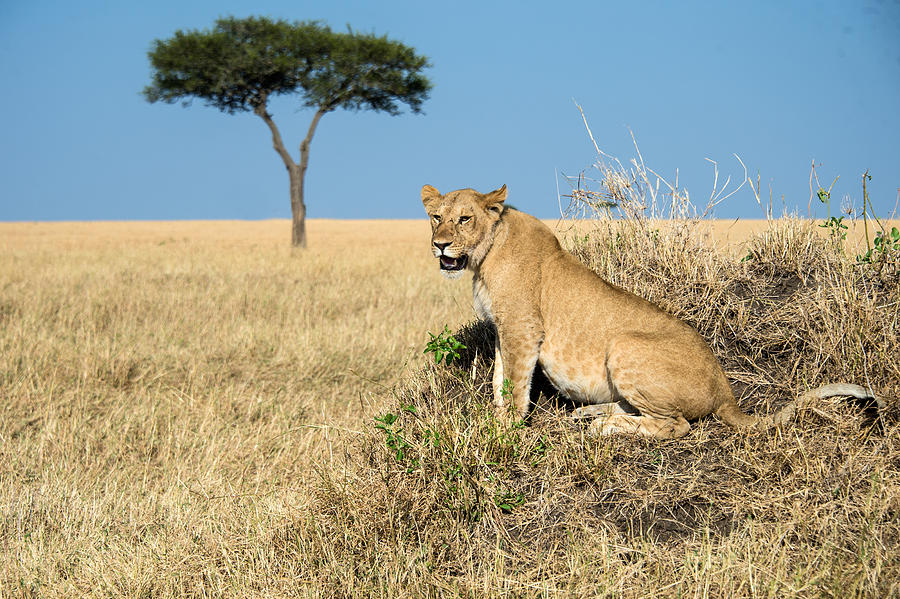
(886, 246)
(394, 440)
(444, 346)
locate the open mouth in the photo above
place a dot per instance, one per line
(448, 263)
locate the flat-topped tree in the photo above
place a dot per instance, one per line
(240, 63)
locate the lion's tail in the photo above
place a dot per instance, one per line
(732, 414)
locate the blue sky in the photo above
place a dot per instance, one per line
(779, 83)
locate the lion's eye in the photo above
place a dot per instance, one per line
(464, 219)
(436, 218)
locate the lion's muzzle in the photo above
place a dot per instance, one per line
(452, 264)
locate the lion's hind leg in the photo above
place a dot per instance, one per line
(598, 410)
(658, 415)
(661, 428)
(650, 376)
(614, 417)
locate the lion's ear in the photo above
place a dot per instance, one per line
(493, 201)
(429, 194)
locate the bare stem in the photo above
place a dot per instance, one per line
(865, 220)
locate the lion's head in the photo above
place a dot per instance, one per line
(462, 226)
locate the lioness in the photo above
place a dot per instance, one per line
(639, 368)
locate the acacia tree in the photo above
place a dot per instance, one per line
(239, 64)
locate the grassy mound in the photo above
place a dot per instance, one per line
(440, 496)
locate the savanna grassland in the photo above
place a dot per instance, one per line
(167, 391)
(196, 410)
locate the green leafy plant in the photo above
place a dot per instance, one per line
(432, 437)
(444, 346)
(394, 440)
(507, 500)
(540, 450)
(884, 245)
(836, 228)
(835, 225)
(885, 248)
(888, 242)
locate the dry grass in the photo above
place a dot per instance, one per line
(162, 388)
(187, 410)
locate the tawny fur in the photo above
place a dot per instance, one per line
(633, 366)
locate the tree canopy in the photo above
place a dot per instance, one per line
(237, 65)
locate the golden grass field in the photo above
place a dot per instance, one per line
(186, 409)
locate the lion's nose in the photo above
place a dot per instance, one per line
(440, 246)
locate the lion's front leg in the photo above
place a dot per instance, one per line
(497, 381)
(516, 356)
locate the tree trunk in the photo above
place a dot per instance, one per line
(296, 172)
(298, 208)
